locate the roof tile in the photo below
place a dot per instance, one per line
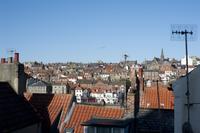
(84, 113)
(149, 99)
(50, 106)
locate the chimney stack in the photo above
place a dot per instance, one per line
(10, 59)
(140, 73)
(16, 58)
(3, 60)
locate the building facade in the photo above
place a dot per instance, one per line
(60, 89)
(39, 87)
(180, 108)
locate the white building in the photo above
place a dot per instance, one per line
(78, 94)
(111, 98)
(98, 95)
(73, 80)
(79, 77)
(104, 76)
(81, 93)
(107, 97)
(180, 109)
(167, 76)
(39, 87)
(190, 61)
(60, 89)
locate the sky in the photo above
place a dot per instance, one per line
(93, 30)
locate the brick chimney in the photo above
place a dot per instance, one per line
(140, 73)
(16, 58)
(3, 60)
(141, 79)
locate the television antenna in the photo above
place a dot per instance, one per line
(10, 52)
(185, 33)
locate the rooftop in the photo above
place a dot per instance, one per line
(149, 98)
(83, 113)
(15, 111)
(50, 106)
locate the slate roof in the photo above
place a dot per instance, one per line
(31, 80)
(50, 106)
(15, 111)
(83, 113)
(39, 83)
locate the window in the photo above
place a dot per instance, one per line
(103, 130)
(117, 130)
(91, 130)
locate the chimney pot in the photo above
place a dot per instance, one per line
(3, 60)
(16, 58)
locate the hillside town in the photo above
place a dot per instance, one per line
(99, 66)
(95, 97)
(104, 83)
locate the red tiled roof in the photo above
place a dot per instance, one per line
(66, 107)
(149, 99)
(50, 105)
(84, 113)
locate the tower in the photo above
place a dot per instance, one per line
(162, 57)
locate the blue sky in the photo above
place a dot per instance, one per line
(92, 30)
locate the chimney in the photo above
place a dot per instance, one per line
(140, 73)
(16, 58)
(10, 59)
(3, 60)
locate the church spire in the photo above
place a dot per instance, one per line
(162, 57)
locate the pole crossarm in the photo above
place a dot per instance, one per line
(182, 32)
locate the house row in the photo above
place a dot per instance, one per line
(39, 86)
(99, 95)
(102, 93)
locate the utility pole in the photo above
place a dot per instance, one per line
(182, 32)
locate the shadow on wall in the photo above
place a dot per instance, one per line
(41, 103)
